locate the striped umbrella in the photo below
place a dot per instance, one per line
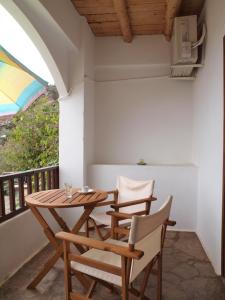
(19, 87)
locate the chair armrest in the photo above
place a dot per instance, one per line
(171, 223)
(134, 202)
(108, 202)
(112, 192)
(105, 203)
(100, 245)
(120, 215)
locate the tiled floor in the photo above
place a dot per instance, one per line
(187, 275)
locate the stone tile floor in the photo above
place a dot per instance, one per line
(187, 275)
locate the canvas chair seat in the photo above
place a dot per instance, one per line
(114, 262)
(150, 245)
(102, 256)
(101, 217)
(127, 190)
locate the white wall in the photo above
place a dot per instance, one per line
(208, 129)
(69, 59)
(167, 123)
(179, 181)
(21, 237)
(145, 118)
(138, 117)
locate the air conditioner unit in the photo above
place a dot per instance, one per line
(185, 46)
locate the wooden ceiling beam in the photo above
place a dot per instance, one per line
(123, 17)
(172, 9)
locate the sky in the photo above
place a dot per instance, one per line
(14, 39)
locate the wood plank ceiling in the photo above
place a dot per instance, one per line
(134, 17)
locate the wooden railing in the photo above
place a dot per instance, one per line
(14, 187)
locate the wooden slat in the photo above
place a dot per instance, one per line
(21, 191)
(74, 196)
(145, 18)
(102, 18)
(95, 264)
(22, 178)
(100, 34)
(11, 195)
(92, 3)
(96, 10)
(29, 184)
(141, 2)
(160, 7)
(36, 182)
(43, 181)
(56, 175)
(117, 249)
(49, 179)
(148, 29)
(172, 10)
(49, 197)
(41, 194)
(120, 7)
(110, 28)
(2, 199)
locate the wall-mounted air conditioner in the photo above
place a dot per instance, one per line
(185, 47)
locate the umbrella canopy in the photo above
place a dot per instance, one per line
(19, 87)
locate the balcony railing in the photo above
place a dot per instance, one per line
(14, 187)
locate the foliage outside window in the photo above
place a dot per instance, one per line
(31, 139)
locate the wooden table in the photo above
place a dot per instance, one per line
(52, 199)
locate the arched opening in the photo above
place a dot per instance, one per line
(31, 135)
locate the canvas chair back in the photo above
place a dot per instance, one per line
(146, 235)
(129, 190)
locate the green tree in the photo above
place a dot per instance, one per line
(33, 140)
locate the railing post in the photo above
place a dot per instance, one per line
(39, 179)
(36, 182)
(12, 195)
(21, 191)
(43, 182)
(29, 185)
(2, 199)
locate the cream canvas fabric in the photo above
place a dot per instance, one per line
(151, 246)
(142, 226)
(101, 217)
(102, 256)
(133, 190)
(128, 190)
(146, 233)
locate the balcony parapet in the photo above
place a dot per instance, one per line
(15, 186)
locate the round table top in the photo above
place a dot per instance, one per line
(57, 198)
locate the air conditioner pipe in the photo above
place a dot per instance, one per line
(201, 40)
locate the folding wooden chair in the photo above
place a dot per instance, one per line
(118, 263)
(131, 196)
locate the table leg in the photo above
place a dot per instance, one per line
(46, 268)
(58, 247)
(47, 230)
(64, 226)
(83, 218)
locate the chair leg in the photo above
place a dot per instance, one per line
(67, 270)
(87, 228)
(107, 235)
(125, 295)
(145, 279)
(159, 277)
(97, 230)
(91, 289)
